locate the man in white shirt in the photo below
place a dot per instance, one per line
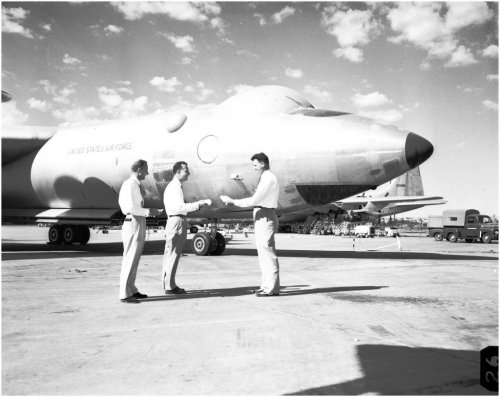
(176, 228)
(264, 201)
(131, 200)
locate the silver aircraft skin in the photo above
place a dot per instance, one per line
(403, 194)
(73, 175)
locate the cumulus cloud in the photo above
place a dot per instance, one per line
(239, 88)
(293, 73)
(350, 53)
(433, 27)
(321, 95)
(11, 115)
(76, 116)
(63, 95)
(280, 16)
(370, 100)
(389, 116)
(186, 61)
(260, 17)
(492, 77)
(164, 85)
(12, 19)
(195, 12)
(490, 105)
(68, 60)
(118, 107)
(184, 43)
(490, 51)
(460, 57)
(351, 28)
(113, 29)
(46, 27)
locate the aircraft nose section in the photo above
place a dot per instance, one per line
(417, 149)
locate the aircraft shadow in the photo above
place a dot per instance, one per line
(20, 251)
(290, 290)
(400, 370)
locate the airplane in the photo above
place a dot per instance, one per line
(404, 193)
(70, 177)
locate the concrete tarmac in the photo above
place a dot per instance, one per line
(365, 320)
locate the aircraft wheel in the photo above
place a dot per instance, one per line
(220, 245)
(193, 229)
(70, 234)
(438, 236)
(202, 243)
(55, 234)
(452, 237)
(486, 238)
(84, 234)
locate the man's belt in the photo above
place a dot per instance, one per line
(180, 216)
(264, 208)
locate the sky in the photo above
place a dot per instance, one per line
(428, 67)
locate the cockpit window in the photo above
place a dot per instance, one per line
(318, 113)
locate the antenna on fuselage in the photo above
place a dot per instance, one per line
(6, 97)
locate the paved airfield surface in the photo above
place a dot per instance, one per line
(373, 320)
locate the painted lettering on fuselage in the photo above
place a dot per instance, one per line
(113, 147)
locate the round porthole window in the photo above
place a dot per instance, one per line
(208, 149)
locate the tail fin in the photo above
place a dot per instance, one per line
(408, 184)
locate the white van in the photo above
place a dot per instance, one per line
(364, 231)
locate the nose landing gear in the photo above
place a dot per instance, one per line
(211, 243)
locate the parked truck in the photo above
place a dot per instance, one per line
(466, 224)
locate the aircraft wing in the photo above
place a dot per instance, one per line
(427, 201)
(382, 201)
(18, 141)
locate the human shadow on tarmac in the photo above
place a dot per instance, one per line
(401, 370)
(19, 251)
(241, 291)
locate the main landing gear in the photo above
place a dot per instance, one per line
(211, 243)
(69, 234)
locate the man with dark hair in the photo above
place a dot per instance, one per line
(264, 201)
(176, 228)
(131, 201)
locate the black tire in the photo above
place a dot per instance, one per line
(55, 234)
(452, 237)
(486, 238)
(70, 234)
(84, 234)
(193, 229)
(438, 236)
(287, 228)
(202, 243)
(220, 245)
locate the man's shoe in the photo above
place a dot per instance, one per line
(138, 295)
(130, 299)
(256, 291)
(175, 291)
(263, 294)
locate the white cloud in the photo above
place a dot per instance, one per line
(64, 94)
(492, 77)
(46, 27)
(433, 27)
(490, 105)
(186, 61)
(462, 14)
(280, 16)
(37, 104)
(390, 116)
(239, 88)
(11, 21)
(491, 51)
(370, 100)
(118, 107)
(320, 95)
(195, 12)
(184, 43)
(11, 115)
(262, 20)
(165, 85)
(293, 73)
(350, 53)
(70, 60)
(76, 116)
(113, 29)
(48, 87)
(247, 53)
(461, 57)
(350, 27)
